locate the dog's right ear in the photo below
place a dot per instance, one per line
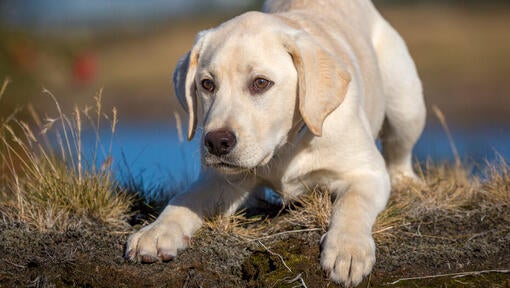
(323, 80)
(184, 82)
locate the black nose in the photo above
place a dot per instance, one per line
(220, 142)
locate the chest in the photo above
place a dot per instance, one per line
(298, 171)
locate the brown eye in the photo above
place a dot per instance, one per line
(208, 85)
(260, 85)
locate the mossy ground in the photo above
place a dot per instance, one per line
(92, 256)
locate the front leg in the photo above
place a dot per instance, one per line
(212, 194)
(348, 249)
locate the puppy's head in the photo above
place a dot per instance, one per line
(249, 82)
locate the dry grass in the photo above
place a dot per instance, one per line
(445, 188)
(48, 189)
(496, 189)
(312, 210)
(247, 228)
(308, 213)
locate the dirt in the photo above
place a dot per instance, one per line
(440, 243)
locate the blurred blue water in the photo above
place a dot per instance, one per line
(153, 153)
(150, 155)
(474, 145)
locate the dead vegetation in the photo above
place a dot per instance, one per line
(53, 189)
(446, 189)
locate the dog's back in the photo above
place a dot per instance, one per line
(349, 10)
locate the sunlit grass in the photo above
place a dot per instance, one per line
(445, 189)
(496, 189)
(51, 186)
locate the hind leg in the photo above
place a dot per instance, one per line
(405, 107)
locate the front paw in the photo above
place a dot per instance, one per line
(347, 258)
(156, 242)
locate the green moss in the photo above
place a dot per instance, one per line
(265, 269)
(262, 269)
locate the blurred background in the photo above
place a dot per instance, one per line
(129, 48)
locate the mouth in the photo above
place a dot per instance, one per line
(226, 167)
(229, 168)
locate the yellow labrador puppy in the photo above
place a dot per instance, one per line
(292, 97)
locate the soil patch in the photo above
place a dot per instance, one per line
(440, 243)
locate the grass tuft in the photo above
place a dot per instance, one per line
(51, 186)
(496, 189)
(444, 188)
(312, 210)
(247, 228)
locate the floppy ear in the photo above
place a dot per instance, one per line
(323, 80)
(184, 83)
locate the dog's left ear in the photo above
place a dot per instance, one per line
(184, 82)
(323, 79)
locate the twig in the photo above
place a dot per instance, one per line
(478, 235)
(433, 236)
(298, 277)
(287, 232)
(453, 275)
(382, 230)
(4, 86)
(442, 119)
(275, 254)
(369, 280)
(14, 264)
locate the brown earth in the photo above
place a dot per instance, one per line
(439, 243)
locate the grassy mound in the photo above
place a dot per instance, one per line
(64, 222)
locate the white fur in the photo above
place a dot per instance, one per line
(340, 69)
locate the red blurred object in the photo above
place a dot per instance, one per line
(85, 68)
